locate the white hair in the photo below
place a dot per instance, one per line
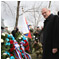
(46, 8)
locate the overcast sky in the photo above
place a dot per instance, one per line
(10, 16)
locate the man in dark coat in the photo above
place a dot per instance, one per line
(50, 35)
(41, 35)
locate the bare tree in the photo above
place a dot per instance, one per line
(17, 16)
(36, 14)
(8, 7)
(49, 4)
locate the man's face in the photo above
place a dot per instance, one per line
(30, 27)
(45, 13)
(38, 29)
(6, 28)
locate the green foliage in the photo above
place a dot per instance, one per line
(7, 48)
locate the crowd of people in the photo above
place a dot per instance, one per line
(45, 41)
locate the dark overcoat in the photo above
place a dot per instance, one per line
(51, 37)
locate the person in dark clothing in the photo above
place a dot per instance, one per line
(14, 32)
(37, 34)
(50, 35)
(6, 30)
(31, 29)
(2, 29)
(37, 48)
(29, 39)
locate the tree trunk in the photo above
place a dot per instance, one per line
(49, 4)
(17, 16)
